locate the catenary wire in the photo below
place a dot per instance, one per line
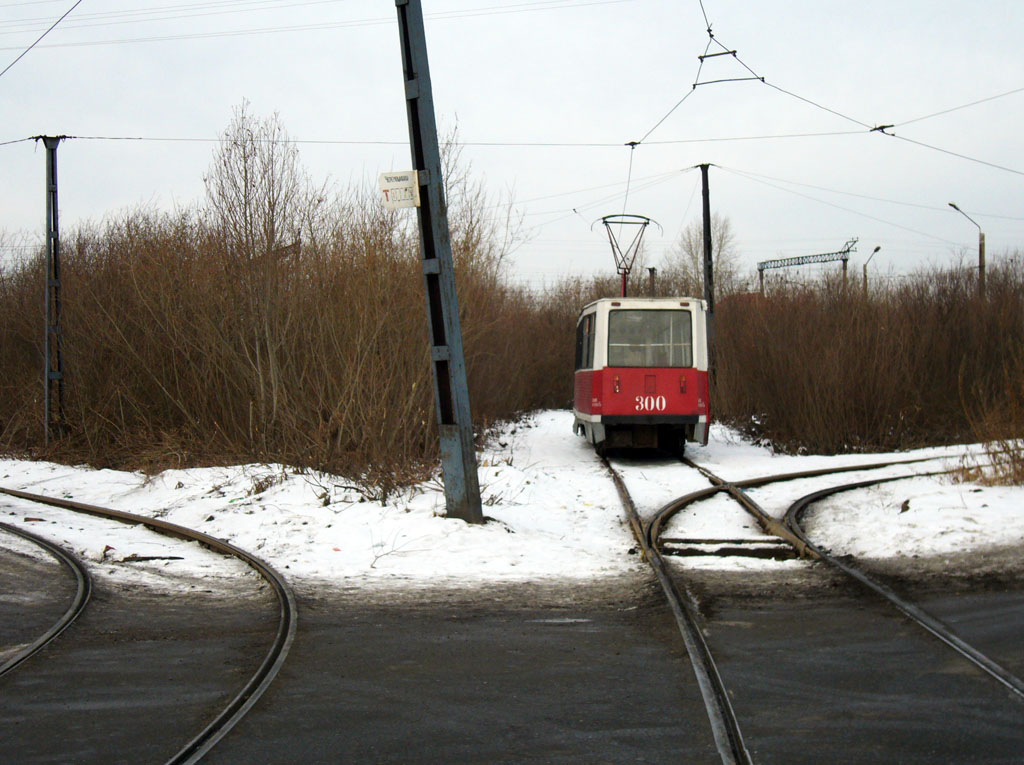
(869, 128)
(477, 144)
(30, 47)
(150, 15)
(742, 174)
(197, 10)
(958, 108)
(942, 209)
(379, 21)
(956, 154)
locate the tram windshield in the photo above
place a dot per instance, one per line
(650, 338)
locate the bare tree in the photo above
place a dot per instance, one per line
(255, 185)
(684, 264)
(256, 189)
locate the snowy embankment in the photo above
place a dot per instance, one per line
(554, 515)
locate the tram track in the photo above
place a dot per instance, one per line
(916, 614)
(724, 724)
(83, 590)
(275, 656)
(685, 606)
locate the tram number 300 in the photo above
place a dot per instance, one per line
(650, 404)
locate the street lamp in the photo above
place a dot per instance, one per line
(981, 250)
(877, 248)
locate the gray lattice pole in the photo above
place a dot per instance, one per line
(458, 458)
(53, 380)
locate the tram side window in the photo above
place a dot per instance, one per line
(585, 342)
(591, 338)
(650, 338)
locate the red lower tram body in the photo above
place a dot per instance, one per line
(663, 405)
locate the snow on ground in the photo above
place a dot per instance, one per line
(556, 514)
(920, 516)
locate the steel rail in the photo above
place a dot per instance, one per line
(937, 628)
(83, 589)
(236, 709)
(724, 725)
(735, 489)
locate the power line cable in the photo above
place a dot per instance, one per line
(838, 207)
(30, 47)
(954, 153)
(475, 144)
(223, 7)
(533, 7)
(935, 208)
(958, 108)
(679, 103)
(154, 10)
(29, 2)
(873, 129)
(589, 188)
(754, 137)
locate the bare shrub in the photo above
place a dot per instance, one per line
(831, 369)
(280, 323)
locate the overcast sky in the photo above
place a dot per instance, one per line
(566, 73)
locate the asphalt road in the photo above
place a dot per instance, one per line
(133, 679)
(504, 674)
(507, 673)
(821, 671)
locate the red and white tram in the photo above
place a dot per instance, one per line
(642, 373)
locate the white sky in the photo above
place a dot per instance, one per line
(554, 71)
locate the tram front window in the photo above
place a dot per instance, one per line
(650, 338)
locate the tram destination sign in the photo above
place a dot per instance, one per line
(400, 189)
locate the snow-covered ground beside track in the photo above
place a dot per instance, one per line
(553, 514)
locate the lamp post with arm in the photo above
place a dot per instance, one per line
(981, 250)
(877, 248)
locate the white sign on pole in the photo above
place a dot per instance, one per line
(400, 189)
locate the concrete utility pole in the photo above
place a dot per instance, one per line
(981, 250)
(451, 392)
(53, 380)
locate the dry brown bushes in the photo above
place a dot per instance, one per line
(275, 324)
(284, 323)
(831, 370)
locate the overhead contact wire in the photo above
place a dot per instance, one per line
(44, 34)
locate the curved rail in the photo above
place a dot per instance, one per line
(724, 725)
(268, 669)
(921, 617)
(83, 590)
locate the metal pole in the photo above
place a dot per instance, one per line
(981, 249)
(651, 274)
(981, 262)
(873, 252)
(709, 290)
(709, 270)
(709, 275)
(455, 423)
(53, 380)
